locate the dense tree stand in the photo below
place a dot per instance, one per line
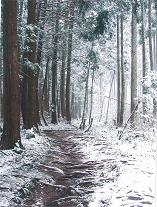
(89, 69)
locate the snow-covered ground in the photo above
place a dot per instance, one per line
(131, 182)
(128, 169)
(18, 167)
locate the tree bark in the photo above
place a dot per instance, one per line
(41, 19)
(54, 116)
(134, 62)
(109, 97)
(72, 102)
(44, 98)
(82, 125)
(62, 82)
(20, 18)
(144, 69)
(1, 73)
(156, 34)
(11, 96)
(79, 107)
(46, 87)
(122, 74)
(69, 56)
(100, 98)
(118, 72)
(151, 53)
(91, 99)
(150, 33)
(41, 29)
(155, 63)
(29, 107)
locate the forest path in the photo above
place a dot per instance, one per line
(74, 174)
(84, 171)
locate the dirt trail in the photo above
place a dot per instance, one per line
(81, 170)
(73, 177)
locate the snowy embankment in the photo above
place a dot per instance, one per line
(18, 168)
(130, 169)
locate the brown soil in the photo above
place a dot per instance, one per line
(73, 176)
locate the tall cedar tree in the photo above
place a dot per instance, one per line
(30, 110)
(41, 19)
(118, 72)
(69, 55)
(62, 81)
(54, 68)
(44, 96)
(144, 68)
(122, 71)
(11, 98)
(134, 61)
(151, 53)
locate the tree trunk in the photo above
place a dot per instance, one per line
(62, 82)
(155, 67)
(45, 87)
(134, 62)
(144, 69)
(100, 98)
(151, 53)
(47, 96)
(11, 97)
(20, 18)
(72, 102)
(154, 50)
(41, 15)
(109, 97)
(150, 34)
(79, 107)
(41, 21)
(30, 111)
(1, 73)
(155, 63)
(54, 70)
(75, 108)
(91, 99)
(154, 84)
(69, 55)
(122, 75)
(82, 125)
(118, 73)
(44, 98)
